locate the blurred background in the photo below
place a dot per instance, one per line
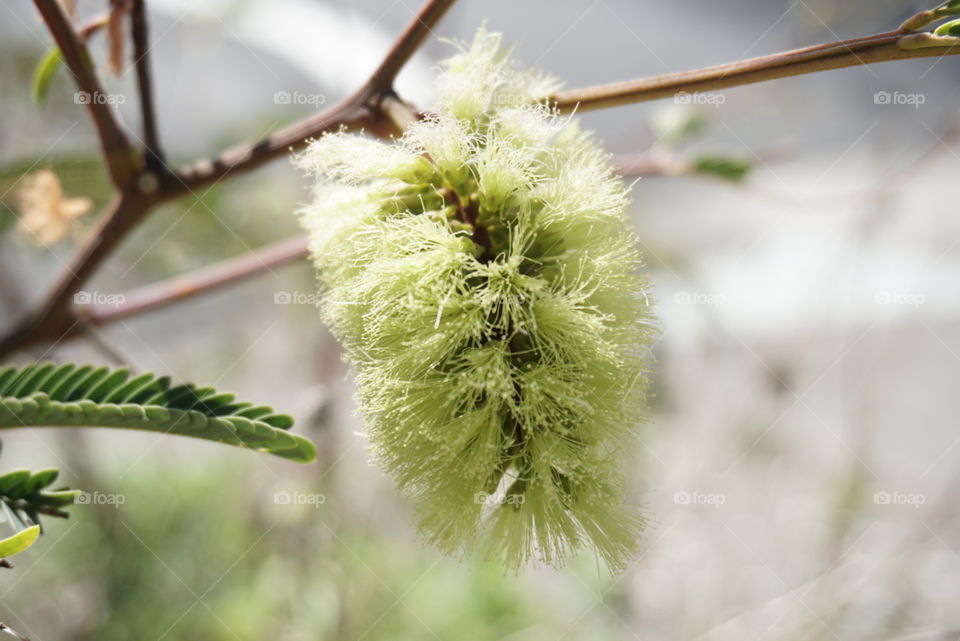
(800, 469)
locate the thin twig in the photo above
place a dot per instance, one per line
(89, 28)
(846, 53)
(408, 44)
(167, 292)
(51, 511)
(361, 110)
(120, 157)
(54, 319)
(249, 156)
(141, 58)
(400, 114)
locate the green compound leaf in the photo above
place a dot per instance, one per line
(40, 480)
(13, 482)
(21, 485)
(47, 394)
(19, 542)
(43, 75)
(22, 499)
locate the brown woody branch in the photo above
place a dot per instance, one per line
(361, 110)
(206, 279)
(56, 318)
(121, 159)
(246, 157)
(92, 26)
(882, 47)
(407, 45)
(375, 107)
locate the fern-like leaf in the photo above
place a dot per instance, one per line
(46, 394)
(24, 496)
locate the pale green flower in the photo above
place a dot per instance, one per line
(483, 277)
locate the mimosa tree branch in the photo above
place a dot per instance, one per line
(375, 107)
(883, 47)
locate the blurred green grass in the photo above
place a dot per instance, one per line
(206, 553)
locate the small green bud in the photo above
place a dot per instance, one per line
(918, 21)
(921, 20)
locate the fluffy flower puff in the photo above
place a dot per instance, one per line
(484, 280)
